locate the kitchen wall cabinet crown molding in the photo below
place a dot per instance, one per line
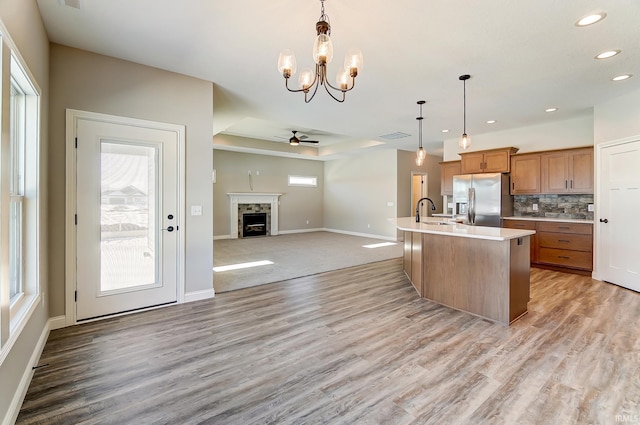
(487, 161)
(448, 169)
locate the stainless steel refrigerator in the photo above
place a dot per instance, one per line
(482, 199)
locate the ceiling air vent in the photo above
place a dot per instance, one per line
(71, 3)
(394, 136)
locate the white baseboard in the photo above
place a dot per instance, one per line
(21, 391)
(215, 238)
(365, 235)
(57, 322)
(289, 232)
(199, 295)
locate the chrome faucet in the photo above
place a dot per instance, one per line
(433, 208)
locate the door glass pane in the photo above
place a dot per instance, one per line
(128, 216)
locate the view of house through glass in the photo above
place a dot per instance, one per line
(128, 216)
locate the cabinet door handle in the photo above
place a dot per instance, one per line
(565, 184)
(571, 183)
(513, 185)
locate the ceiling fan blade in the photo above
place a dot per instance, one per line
(309, 141)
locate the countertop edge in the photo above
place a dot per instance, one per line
(408, 224)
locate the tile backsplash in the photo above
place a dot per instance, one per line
(553, 206)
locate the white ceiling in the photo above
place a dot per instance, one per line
(523, 56)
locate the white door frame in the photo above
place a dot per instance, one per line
(72, 117)
(596, 234)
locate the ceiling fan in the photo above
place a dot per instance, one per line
(295, 141)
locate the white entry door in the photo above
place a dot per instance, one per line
(617, 219)
(127, 217)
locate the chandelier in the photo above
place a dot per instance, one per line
(322, 55)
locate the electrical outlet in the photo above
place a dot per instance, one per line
(368, 226)
(307, 221)
(590, 207)
(389, 204)
(196, 209)
(535, 207)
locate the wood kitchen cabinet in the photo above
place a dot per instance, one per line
(559, 246)
(525, 225)
(525, 174)
(567, 171)
(566, 245)
(489, 161)
(447, 171)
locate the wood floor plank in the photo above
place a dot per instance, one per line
(353, 346)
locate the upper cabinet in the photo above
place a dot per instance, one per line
(447, 171)
(525, 174)
(489, 161)
(567, 171)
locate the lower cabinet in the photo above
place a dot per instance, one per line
(558, 245)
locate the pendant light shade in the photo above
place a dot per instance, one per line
(421, 154)
(465, 140)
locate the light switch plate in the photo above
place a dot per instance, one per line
(196, 209)
(590, 207)
(535, 207)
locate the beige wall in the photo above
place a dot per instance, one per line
(269, 175)
(407, 165)
(618, 118)
(356, 193)
(90, 82)
(24, 27)
(555, 135)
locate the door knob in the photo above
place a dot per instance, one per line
(169, 229)
(604, 220)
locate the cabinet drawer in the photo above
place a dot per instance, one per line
(583, 229)
(566, 258)
(519, 224)
(565, 241)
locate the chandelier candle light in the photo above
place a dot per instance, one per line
(465, 141)
(420, 153)
(322, 55)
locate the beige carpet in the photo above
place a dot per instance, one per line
(293, 255)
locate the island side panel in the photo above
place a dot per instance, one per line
(520, 279)
(468, 274)
(407, 255)
(416, 262)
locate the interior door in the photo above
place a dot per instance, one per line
(419, 189)
(619, 205)
(127, 218)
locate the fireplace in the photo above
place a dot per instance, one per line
(244, 203)
(254, 224)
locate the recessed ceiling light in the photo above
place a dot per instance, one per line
(591, 19)
(551, 109)
(607, 54)
(622, 77)
(491, 122)
(446, 130)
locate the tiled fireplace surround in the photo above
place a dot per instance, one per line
(240, 203)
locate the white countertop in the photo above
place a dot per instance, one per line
(442, 215)
(551, 219)
(428, 225)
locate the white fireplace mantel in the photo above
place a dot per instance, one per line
(236, 198)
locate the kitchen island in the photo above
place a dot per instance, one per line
(479, 270)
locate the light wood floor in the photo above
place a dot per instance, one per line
(354, 346)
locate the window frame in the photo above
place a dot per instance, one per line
(302, 184)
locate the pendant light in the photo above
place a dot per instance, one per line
(465, 140)
(421, 154)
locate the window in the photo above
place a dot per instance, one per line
(16, 189)
(308, 181)
(19, 203)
